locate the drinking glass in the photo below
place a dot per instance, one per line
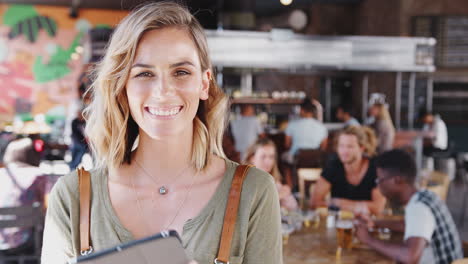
(344, 233)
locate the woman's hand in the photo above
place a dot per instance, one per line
(193, 262)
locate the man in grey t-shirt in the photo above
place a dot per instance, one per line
(305, 133)
(246, 129)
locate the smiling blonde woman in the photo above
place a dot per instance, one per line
(155, 126)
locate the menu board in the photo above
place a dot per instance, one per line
(454, 47)
(451, 33)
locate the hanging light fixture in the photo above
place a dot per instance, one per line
(286, 2)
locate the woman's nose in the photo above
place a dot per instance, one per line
(162, 87)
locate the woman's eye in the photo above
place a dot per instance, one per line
(144, 74)
(181, 73)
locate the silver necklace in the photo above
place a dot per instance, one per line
(181, 205)
(162, 189)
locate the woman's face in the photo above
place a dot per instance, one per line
(264, 158)
(166, 83)
(374, 111)
(348, 148)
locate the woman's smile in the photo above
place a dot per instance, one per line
(163, 112)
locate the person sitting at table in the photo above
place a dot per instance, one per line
(430, 234)
(436, 136)
(262, 154)
(246, 129)
(23, 183)
(305, 133)
(351, 176)
(344, 114)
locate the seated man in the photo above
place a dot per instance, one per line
(430, 233)
(344, 114)
(351, 177)
(436, 138)
(305, 133)
(246, 129)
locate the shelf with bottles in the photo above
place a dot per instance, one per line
(263, 97)
(254, 100)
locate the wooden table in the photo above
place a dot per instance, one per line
(318, 245)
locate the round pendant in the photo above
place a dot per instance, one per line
(163, 190)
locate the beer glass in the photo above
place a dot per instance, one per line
(344, 233)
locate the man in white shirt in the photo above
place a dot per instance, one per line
(430, 234)
(306, 132)
(246, 129)
(436, 133)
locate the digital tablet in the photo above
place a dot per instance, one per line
(165, 247)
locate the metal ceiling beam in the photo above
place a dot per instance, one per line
(262, 6)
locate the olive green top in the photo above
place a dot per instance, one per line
(257, 237)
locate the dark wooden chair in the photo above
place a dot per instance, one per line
(310, 158)
(23, 217)
(307, 159)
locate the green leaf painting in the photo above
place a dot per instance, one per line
(103, 26)
(18, 13)
(57, 67)
(24, 20)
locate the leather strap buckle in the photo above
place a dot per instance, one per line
(87, 252)
(216, 261)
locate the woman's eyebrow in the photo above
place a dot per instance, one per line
(182, 63)
(174, 65)
(142, 65)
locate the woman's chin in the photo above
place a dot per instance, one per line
(161, 134)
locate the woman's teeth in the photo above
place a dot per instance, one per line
(168, 112)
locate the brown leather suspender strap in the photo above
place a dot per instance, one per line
(85, 200)
(230, 216)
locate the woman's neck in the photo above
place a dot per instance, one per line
(165, 157)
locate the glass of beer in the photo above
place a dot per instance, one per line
(344, 233)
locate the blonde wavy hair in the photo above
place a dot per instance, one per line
(384, 114)
(111, 142)
(365, 136)
(275, 172)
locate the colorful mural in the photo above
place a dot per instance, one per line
(42, 55)
(24, 20)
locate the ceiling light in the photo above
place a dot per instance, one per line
(286, 2)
